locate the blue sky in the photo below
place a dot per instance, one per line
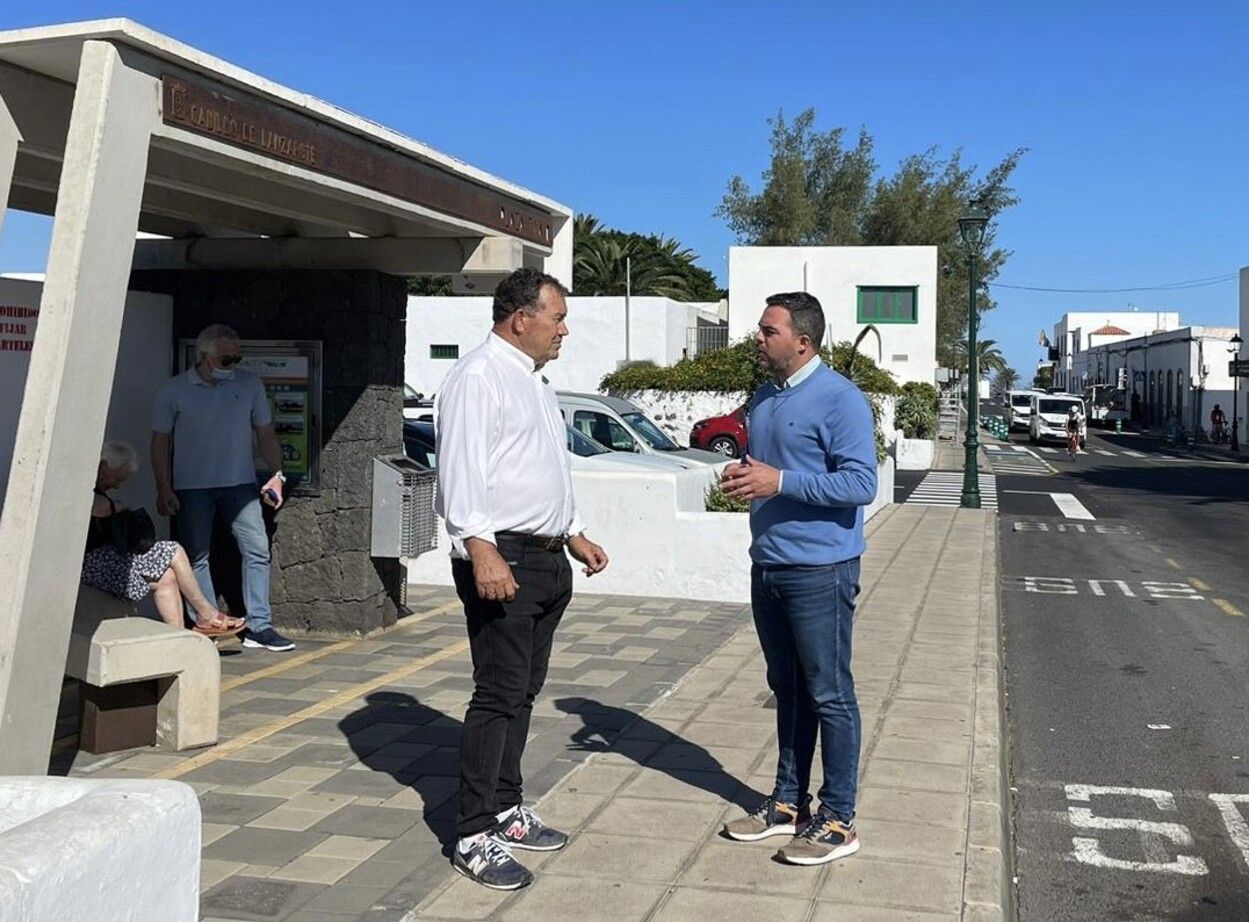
(1136, 115)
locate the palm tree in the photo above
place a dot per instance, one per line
(988, 356)
(1005, 380)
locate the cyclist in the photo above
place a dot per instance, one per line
(1218, 423)
(1073, 431)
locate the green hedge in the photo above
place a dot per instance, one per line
(736, 370)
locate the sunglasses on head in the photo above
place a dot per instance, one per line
(229, 361)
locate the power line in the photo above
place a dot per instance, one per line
(1169, 286)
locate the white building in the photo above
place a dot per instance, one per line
(894, 288)
(1181, 373)
(441, 329)
(1077, 331)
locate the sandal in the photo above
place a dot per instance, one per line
(221, 625)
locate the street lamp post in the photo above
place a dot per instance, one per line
(1235, 354)
(971, 227)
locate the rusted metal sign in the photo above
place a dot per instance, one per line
(258, 125)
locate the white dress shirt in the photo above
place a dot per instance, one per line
(502, 449)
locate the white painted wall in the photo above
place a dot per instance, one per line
(143, 365)
(661, 542)
(72, 848)
(1184, 352)
(833, 275)
(1074, 336)
(594, 348)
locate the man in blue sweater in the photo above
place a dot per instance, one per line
(809, 470)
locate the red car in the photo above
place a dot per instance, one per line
(725, 435)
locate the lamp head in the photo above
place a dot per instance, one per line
(972, 224)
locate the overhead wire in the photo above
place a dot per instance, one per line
(1168, 286)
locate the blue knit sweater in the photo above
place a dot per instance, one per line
(820, 434)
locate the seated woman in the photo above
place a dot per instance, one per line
(164, 570)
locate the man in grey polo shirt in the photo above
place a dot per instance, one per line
(208, 415)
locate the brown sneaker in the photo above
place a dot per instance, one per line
(825, 839)
(773, 818)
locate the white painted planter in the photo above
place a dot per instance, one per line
(914, 454)
(662, 542)
(72, 848)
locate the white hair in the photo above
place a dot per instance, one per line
(210, 336)
(117, 454)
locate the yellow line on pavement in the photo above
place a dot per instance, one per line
(1172, 563)
(257, 734)
(1199, 584)
(287, 664)
(1228, 608)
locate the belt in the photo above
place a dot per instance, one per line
(544, 542)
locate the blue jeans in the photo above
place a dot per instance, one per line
(804, 617)
(240, 506)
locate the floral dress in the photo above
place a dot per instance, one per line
(126, 576)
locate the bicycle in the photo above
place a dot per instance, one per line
(1219, 434)
(1073, 443)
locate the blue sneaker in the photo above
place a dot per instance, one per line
(485, 860)
(269, 639)
(522, 828)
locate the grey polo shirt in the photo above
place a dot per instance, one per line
(212, 428)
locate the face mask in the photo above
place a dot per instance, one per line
(223, 374)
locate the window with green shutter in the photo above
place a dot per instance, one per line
(888, 304)
(444, 352)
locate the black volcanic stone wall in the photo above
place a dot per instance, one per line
(323, 579)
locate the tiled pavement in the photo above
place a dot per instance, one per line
(331, 795)
(333, 784)
(647, 811)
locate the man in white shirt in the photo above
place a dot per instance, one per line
(505, 491)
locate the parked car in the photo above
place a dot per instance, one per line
(587, 454)
(1019, 406)
(416, 405)
(725, 435)
(620, 426)
(1049, 417)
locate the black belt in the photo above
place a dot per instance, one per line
(544, 542)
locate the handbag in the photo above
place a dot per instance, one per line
(130, 531)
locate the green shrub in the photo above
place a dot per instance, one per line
(718, 501)
(916, 411)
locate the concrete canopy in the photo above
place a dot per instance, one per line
(233, 154)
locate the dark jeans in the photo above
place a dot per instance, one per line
(804, 617)
(511, 646)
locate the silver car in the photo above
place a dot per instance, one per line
(620, 426)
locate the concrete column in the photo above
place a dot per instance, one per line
(9, 138)
(559, 263)
(46, 509)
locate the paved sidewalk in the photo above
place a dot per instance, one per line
(645, 811)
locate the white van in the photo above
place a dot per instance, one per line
(1049, 417)
(1019, 405)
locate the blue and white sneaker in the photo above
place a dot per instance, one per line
(522, 828)
(268, 639)
(487, 861)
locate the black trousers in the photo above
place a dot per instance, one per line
(511, 647)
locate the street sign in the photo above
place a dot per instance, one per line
(1238, 368)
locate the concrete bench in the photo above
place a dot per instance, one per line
(110, 646)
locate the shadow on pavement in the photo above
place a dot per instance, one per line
(605, 728)
(436, 780)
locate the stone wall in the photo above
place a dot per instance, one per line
(323, 579)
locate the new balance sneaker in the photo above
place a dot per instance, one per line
(522, 828)
(825, 839)
(773, 818)
(269, 639)
(489, 862)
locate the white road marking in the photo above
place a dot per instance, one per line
(1074, 527)
(1065, 585)
(1048, 450)
(1102, 451)
(1071, 507)
(1087, 850)
(1133, 454)
(1234, 820)
(1158, 726)
(1161, 590)
(1096, 586)
(945, 488)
